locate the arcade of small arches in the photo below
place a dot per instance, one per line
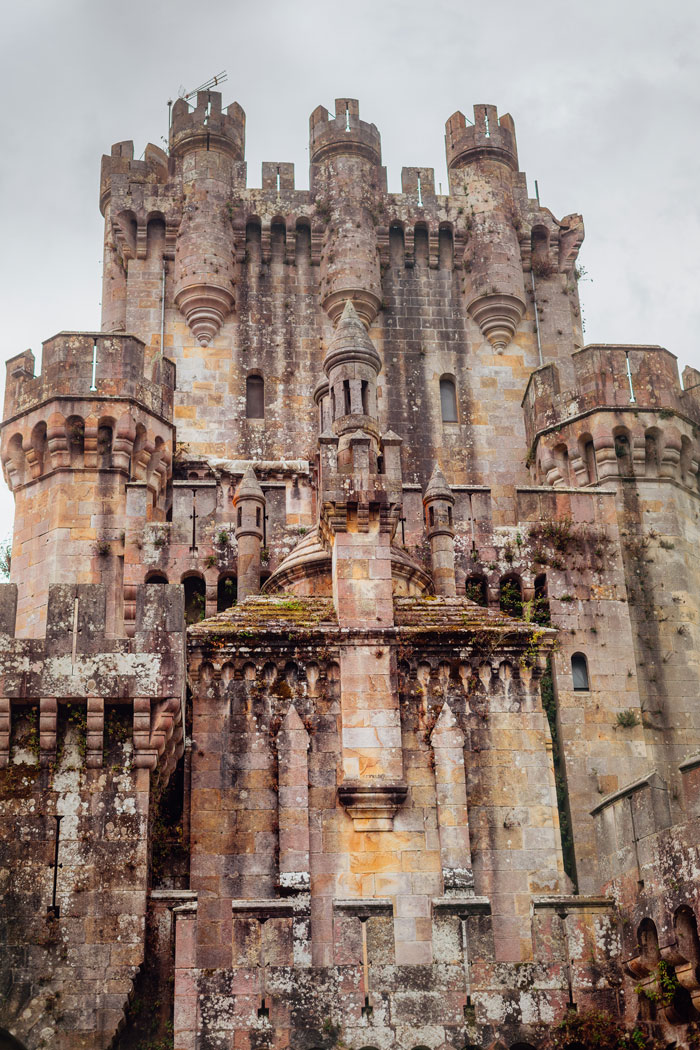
(578, 458)
(98, 442)
(669, 978)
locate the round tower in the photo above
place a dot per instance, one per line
(482, 160)
(352, 365)
(347, 179)
(249, 504)
(99, 416)
(438, 502)
(208, 144)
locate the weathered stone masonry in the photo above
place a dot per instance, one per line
(348, 667)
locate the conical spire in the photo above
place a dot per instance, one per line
(438, 487)
(350, 342)
(248, 487)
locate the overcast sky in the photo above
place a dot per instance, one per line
(604, 94)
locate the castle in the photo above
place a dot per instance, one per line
(350, 658)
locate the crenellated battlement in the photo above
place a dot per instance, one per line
(207, 127)
(621, 414)
(75, 663)
(489, 136)
(120, 170)
(636, 378)
(124, 369)
(343, 133)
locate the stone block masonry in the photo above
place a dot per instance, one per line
(349, 664)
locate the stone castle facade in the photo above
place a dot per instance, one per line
(423, 771)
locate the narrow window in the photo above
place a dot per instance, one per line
(195, 599)
(104, 446)
(591, 465)
(255, 397)
(226, 593)
(445, 249)
(476, 590)
(624, 455)
(396, 246)
(346, 397)
(431, 516)
(511, 596)
(579, 673)
(365, 397)
(257, 517)
(540, 605)
(239, 518)
(448, 400)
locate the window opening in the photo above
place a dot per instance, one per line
(579, 673)
(255, 397)
(448, 400)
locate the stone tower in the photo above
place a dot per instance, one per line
(349, 659)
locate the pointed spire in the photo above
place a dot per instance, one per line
(292, 723)
(446, 732)
(248, 486)
(438, 487)
(350, 342)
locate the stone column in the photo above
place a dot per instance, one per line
(293, 803)
(447, 741)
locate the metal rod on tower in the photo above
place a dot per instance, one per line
(219, 78)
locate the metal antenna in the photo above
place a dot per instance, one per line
(214, 82)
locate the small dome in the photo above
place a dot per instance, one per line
(307, 570)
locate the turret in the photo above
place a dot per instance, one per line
(347, 180)
(98, 417)
(352, 365)
(140, 225)
(249, 504)
(482, 160)
(438, 502)
(209, 146)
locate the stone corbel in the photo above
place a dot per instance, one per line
(372, 805)
(157, 732)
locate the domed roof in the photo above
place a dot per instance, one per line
(307, 569)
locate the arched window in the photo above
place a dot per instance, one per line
(587, 449)
(255, 397)
(476, 590)
(157, 577)
(686, 927)
(511, 596)
(623, 453)
(226, 593)
(75, 431)
(195, 598)
(396, 246)
(420, 246)
(540, 605)
(448, 400)
(579, 673)
(104, 445)
(445, 248)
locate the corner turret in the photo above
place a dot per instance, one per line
(438, 502)
(99, 417)
(489, 136)
(207, 127)
(209, 144)
(249, 503)
(482, 160)
(347, 181)
(343, 134)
